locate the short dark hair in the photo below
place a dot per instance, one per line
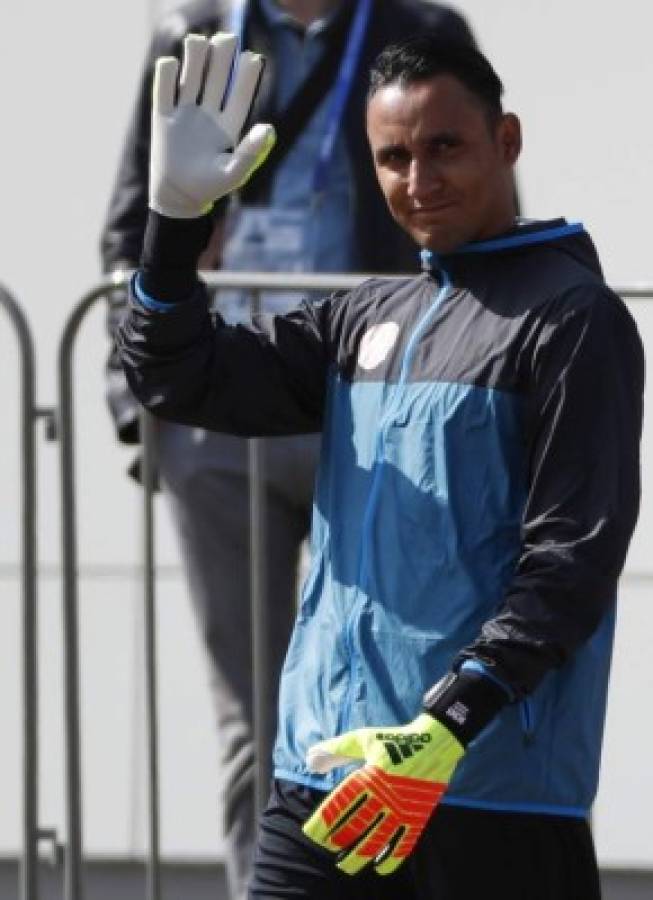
(426, 56)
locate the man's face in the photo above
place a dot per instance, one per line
(445, 170)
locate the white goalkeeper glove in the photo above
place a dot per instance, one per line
(195, 155)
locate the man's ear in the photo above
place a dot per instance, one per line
(509, 137)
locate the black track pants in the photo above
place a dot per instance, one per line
(463, 855)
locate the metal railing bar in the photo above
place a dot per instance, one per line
(312, 281)
(11, 572)
(94, 573)
(259, 611)
(153, 889)
(280, 281)
(634, 291)
(73, 861)
(29, 887)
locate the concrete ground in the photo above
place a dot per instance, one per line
(127, 881)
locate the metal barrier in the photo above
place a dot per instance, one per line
(73, 882)
(73, 885)
(73, 888)
(29, 876)
(29, 414)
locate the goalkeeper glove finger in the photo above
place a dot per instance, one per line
(195, 153)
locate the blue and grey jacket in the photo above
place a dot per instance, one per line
(478, 487)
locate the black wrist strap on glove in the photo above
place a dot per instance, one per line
(171, 249)
(465, 702)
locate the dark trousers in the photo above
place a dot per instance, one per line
(204, 476)
(463, 854)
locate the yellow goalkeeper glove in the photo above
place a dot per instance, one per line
(377, 813)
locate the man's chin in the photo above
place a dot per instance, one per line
(440, 241)
(441, 246)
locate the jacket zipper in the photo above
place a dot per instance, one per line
(527, 716)
(378, 474)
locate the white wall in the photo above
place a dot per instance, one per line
(578, 74)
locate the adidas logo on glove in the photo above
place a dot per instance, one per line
(402, 746)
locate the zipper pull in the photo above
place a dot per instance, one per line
(426, 258)
(527, 716)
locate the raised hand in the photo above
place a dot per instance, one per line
(195, 154)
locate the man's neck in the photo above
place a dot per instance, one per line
(307, 11)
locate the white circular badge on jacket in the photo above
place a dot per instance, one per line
(376, 343)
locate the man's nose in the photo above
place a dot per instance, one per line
(424, 179)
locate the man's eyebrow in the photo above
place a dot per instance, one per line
(447, 134)
(391, 148)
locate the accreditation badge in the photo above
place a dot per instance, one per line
(263, 239)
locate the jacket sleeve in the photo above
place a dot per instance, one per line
(585, 418)
(122, 233)
(265, 380)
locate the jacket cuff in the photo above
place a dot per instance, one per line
(465, 702)
(171, 250)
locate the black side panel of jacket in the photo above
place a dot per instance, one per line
(585, 421)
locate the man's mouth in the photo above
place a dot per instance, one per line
(430, 211)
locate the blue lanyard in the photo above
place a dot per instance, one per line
(237, 21)
(341, 90)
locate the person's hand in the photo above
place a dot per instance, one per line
(376, 815)
(195, 153)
